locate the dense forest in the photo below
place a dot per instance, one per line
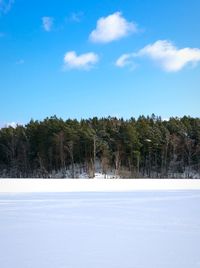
(146, 147)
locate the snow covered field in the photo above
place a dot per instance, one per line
(137, 229)
(95, 185)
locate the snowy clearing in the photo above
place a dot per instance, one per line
(95, 185)
(138, 229)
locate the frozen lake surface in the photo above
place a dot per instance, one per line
(143, 229)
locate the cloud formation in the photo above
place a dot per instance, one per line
(76, 16)
(12, 124)
(124, 60)
(47, 23)
(112, 27)
(83, 62)
(165, 54)
(5, 6)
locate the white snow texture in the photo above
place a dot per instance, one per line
(138, 229)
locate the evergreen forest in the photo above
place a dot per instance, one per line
(146, 147)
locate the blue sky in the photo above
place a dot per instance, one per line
(81, 59)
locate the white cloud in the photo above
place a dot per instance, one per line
(5, 6)
(124, 60)
(47, 23)
(84, 61)
(112, 27)
(12, 124)
(76, 16)
(165, 54)
(169, 57)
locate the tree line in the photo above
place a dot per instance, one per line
(143, 147)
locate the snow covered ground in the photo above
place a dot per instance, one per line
(138, 229)
(95, 185)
